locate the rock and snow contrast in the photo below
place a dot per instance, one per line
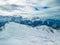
(29, 22)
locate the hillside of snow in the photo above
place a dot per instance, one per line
(19, 34)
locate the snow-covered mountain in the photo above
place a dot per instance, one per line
(35, 21)
(29, 22)
(19, 34)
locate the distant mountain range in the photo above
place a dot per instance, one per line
(35, 21)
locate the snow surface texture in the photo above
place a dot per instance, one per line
(18, 34)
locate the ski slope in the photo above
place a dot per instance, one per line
(19, 34)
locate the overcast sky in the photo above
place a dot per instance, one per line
(29, 7)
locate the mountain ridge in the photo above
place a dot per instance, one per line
(35, 21)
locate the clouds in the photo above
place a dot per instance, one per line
(29, 7)
(10, 7)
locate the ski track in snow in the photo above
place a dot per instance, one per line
(18, 34)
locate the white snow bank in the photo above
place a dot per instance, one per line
(18, 34)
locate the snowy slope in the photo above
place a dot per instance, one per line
(19, 34)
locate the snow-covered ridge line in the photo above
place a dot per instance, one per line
(18, 34)
(35, 21)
